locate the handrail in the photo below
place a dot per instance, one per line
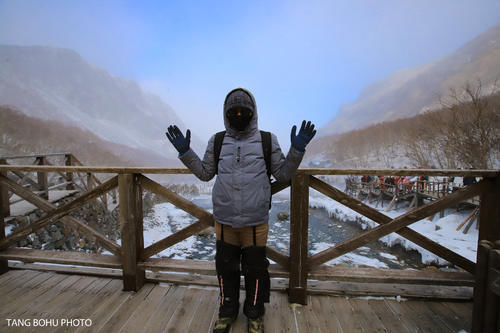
(135, 257)
(12, 157)
(305, 171)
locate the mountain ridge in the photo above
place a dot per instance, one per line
(414, 90)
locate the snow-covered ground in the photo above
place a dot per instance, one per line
(441, 230)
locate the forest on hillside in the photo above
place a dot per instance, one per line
(463, 133)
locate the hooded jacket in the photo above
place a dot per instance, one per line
(242, 190)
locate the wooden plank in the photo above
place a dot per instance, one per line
(68, 161)
(160, 318)
(380, 218)
(401, 276)
(105, 309)
(23, 297)
(426, 319)
(299, 221)
(396, 224)
(178, 236)
(92, 298)
(280, 314)
(401, 172)
(491, 300)
(95, 169)
(481, 287)
(404, 315)
(131, 227)
(390, 320)
(42, 176)
(489, 214)
(327, 318)
(55, 212)
(42, 299)
(306, 319)
(4, 212)
(61, 306)
(12, 157)
(365, 315)
(175, 199)
(138, 319)
(206, 312)
(68, 269)
(344, 312)
(278, 257)
(184, 314)
(449, 317)
(4, 198)
(54, 305)
(277, 187)
(467, 219)
(304, 171)
(61, 257)
(240, 325)
(463, 313)
(340, 288)
(122, 314)
(17, 277)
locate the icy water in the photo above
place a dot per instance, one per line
(324, 232)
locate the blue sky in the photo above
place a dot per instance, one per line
(301, 59)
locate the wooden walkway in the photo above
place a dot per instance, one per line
(37, 297)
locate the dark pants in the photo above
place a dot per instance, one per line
(245, 246)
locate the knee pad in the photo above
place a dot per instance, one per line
(227, 258)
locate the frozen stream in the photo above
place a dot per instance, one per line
(324, 231)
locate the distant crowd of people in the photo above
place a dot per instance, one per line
(399, 184)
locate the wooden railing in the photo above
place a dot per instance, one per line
(135, 259)
(40, 183)
(486, 313)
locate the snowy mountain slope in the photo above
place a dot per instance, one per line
(58, 84)
(413, 90)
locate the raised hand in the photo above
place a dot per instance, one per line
(306, 133)
(176, 137)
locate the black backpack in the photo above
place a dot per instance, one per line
(266, 148)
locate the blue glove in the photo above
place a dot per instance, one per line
(306, 133)
(180, 142)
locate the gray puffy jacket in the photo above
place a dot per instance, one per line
(241, 193)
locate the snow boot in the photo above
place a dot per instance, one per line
(256, 325)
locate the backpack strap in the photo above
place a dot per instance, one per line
(267, 149)
(219, 137)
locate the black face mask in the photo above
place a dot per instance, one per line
(239, 118)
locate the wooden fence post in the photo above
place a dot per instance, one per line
(68, 160)
(299, 222)
(489, 213)
(131, 225)
(4, 195)
(43, 182)
(4, 211)
(481, 285)
(492, 300)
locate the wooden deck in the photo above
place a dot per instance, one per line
(37, 297)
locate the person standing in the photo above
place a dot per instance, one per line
(241, 200)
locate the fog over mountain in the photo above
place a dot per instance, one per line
(411, 91)
(58, 84)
